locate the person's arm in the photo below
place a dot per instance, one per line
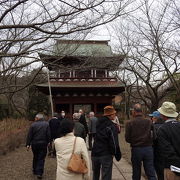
(114, 142)
(90, 125)
(48, 134)
(83, 133)
(117, 121)
(85, 156)
(153, 132)
(128, 132)
(29, 138)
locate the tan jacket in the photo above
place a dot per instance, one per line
(64, 147)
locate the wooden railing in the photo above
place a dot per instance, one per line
(82, 79)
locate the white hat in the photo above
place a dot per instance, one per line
(168, 109)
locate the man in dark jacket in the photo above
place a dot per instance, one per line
(138, 133)
(106, 145)
(38, 138)
(168, 141)
(82, 120)
(92, 128)
(54, 125)
(157, 123)
(62, 115)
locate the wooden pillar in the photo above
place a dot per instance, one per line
(95, 73)
(106, 73)
(74, 74)
(92, 73)
(70, 109)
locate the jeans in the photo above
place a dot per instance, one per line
(103, 163)
(145, 155)
(39, 155)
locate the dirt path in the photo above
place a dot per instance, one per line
(17, 165)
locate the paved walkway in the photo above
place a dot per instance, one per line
(122, 170)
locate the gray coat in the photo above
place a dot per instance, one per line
(79, 130)
(92, 124)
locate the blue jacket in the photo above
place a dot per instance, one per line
(39, 133)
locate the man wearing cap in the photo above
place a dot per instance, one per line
(106, 145)
(168, 141)
(138, 133)
(155, 116)
(157, 123)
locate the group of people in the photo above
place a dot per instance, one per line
(154, 142)
(60, 133)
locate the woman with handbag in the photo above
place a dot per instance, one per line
(71, 150)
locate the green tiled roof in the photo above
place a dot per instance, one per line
(83, 48)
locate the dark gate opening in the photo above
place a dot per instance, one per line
(62, 107)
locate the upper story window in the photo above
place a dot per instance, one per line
(83, 74)
(100, 74)
(65, 75)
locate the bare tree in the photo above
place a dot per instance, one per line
(29, 27)
(150, 42)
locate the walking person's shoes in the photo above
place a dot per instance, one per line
(39, 176)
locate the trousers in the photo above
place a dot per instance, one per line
(102, 164)
(145, 155)
(39, 155)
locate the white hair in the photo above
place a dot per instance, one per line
(40, 116)
(91, 113)
(76, 116)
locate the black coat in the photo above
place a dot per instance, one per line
(82, 120)
(168, 144)
(54, 125)
(158, 164)
(106, 139)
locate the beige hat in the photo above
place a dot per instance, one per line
(168, 109)
(109, 110)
